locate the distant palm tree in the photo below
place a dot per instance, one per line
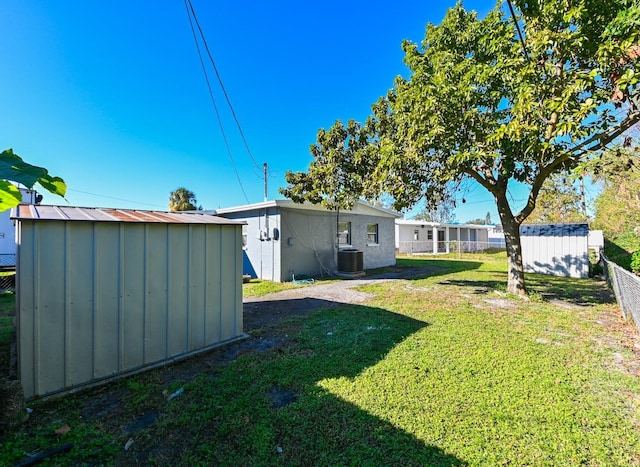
(182, 199)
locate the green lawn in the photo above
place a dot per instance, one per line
(258, 287)
(7, 312)
(445, 370)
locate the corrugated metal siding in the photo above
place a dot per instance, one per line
(73, 213)
(98, 299)
(555, 249)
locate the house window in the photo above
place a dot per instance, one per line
(429, 234)
(372, 234)
(416, 235)
(344, 233)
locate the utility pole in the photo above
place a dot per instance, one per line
(265, 181)
(582, 198)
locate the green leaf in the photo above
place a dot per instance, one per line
(13, 168)
(10, 195)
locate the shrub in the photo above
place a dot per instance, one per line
(635, 262)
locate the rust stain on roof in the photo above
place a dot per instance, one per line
(71, 213)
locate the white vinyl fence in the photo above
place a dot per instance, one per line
(452, 246)
(626, 287)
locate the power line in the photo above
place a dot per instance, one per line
(224, 91)
(515, 20)
(111, 197)
(213, 101)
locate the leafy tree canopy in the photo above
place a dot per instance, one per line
(558, 202)
(343, 161)
(443, 212)
(14, 169)
(481, 104)
(617, 207)
(182, 199)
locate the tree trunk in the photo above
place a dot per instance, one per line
(511, 228)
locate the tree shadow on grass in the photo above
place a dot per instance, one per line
(581, 292)
(254, 402)
(294, 421)
(477, 287)
(416, 268)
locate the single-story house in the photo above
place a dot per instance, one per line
(414, 236)
(102, 293)
(283, 239)
(556, 249)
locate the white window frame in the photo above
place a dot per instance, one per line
(344, 233)
(373, 238)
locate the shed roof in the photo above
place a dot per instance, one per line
(31, 212)
(554, 230)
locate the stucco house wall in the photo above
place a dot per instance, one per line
(284, 239)
(261, 242)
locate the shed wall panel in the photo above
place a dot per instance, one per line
(156, 286)
(213, 295)
(26, 306)
(559, 249)
(178, 298)
(134, 293)
(51, 319)
(229, 271)
(107, 284)
(98, 299)
(79, 283)
(197, 288)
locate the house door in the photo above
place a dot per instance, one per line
(442, 248)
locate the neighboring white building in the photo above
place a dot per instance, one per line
(8, 229)
(496, 237)
(413, 236)
(283, 238)
(596, 240)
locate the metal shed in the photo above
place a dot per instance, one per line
(105, 292)
(556, 249)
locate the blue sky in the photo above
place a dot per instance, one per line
(111, 95)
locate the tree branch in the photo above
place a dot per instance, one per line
(481, 180)
(535, 189)
(605, 137)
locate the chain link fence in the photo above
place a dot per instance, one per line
(7, 273)
(626, 287)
